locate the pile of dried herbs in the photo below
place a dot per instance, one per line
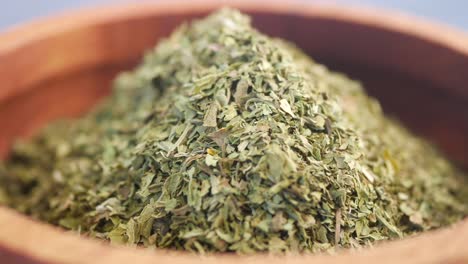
(224, 139)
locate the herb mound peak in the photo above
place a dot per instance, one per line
(224, 139)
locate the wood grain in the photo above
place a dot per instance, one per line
(61, 66)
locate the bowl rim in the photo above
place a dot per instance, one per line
(63, 247)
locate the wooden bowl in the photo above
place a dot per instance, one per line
(61, 66)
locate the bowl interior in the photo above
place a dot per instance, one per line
(419, 81)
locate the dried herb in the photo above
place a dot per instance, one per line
(224, 139)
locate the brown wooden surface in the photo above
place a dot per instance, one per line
(61, 66)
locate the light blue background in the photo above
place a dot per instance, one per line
(453, 12)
